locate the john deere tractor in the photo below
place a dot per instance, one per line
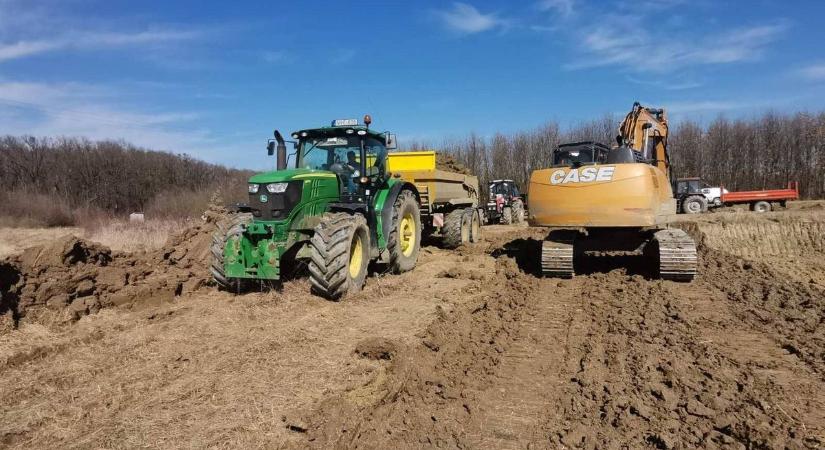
(336, 210)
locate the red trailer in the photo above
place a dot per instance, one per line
(760, 201)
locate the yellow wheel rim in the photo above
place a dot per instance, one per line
(406, 234)
(356, 256)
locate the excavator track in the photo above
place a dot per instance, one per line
(557, 255)
(677, 255)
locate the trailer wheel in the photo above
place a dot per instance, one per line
(455, 232)
(227, 229)
(507, 215)
(694, 204)
(472, 219)
(761, 207)
(339, 255)
(518, 212)
(404, 241)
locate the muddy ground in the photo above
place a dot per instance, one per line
(103, 349)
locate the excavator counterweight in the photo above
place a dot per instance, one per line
(600, 199)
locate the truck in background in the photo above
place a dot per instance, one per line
(694, 196)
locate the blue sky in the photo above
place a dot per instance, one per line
(213, 79)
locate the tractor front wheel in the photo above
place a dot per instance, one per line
(340, 254)
(228, 229)
(404, 240)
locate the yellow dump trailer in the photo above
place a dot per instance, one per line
(449, 200)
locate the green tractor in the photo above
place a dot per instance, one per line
(337, 210)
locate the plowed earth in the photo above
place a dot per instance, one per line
(469, 350)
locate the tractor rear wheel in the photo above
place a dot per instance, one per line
(455, 232)
(339, 255)
(507, 215)
(694, 204)
(404, 240)
(231, 228)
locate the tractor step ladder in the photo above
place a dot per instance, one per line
(424, 193)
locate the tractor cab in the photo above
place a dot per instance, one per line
(354, 153)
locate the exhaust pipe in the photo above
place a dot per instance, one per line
(281, 151)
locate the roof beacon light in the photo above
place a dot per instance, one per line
(367, 120)
(345, 123)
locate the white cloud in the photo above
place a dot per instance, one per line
(635, 49)
(814, 72)
(466, 19)
(564, 8)
(22, 49)
(90, 41)
(75, 109)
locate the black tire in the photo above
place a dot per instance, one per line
(761, 207)
(472, 219)
(695, 204)
(401, 259)
(518, 212)
(454, 233)
(333, 247)
(507, 215)
(229, 228)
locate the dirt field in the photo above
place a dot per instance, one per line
(103, 349)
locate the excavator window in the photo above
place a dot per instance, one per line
(580, 154)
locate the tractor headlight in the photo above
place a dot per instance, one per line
(253, 188)
(276, 188)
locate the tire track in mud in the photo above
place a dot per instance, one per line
(604, 360)
(511, 412)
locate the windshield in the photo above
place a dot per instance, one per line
(342, 155)
(325, 152)
(579, 155)
(503, 188)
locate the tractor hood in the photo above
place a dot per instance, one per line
(278, 176)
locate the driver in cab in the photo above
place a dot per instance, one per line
(352, 170)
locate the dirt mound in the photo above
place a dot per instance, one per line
(445, 161)
(70, 277)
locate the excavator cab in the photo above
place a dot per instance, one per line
(577, 154)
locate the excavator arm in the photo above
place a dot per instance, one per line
(645, 131)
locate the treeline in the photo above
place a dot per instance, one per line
(759, 153)
(52, 181)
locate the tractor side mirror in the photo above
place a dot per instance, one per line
(270, 147)
(392, 144)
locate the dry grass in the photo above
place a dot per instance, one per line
(134, 236)
(115, 234)
(14, 240)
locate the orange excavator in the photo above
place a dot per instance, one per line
(601, 199)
